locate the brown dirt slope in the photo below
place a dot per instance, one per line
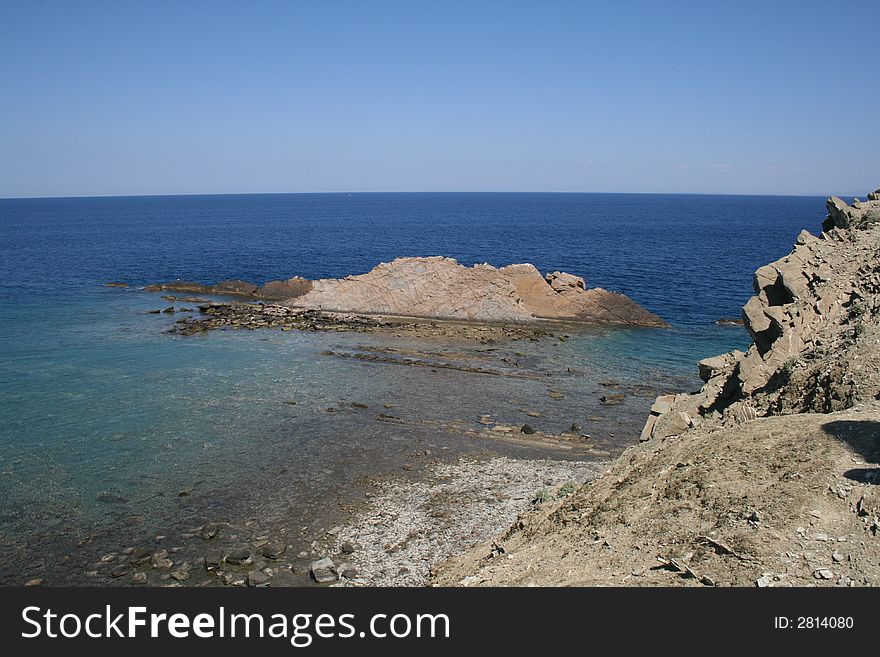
(779, 501)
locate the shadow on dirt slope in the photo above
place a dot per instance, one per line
(863, 436)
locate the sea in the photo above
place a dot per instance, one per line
(116, 434)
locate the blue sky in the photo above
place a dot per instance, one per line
(116, 97)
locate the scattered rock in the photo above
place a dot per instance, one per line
(209, 531)
(120, 570)
(257, 578)
(323, 570)
(238, 556)
(141, 555)
(273, 549)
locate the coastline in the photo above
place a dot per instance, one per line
(765, 477)
(462, 384)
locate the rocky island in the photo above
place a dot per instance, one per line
(433, 288)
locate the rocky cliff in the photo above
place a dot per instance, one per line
(441, 288)
(813, 322)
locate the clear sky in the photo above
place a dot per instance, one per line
(153, 97)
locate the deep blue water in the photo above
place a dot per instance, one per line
(96, 398)
(686, 257)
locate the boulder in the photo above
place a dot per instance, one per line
(560, 281)
(838, 214)
(323, 570)
(712, 367)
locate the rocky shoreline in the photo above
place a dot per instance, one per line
(252, 316)
(765, 477)
(408, 528)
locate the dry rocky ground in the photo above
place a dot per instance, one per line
(768, 476)
(411, 526)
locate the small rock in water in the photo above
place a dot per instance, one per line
(209, 531)
(141, 555)
(575, 428)
(323, 570)
(180, 575)
(527, 429)
(212, 561)
(238, 556)
(612, 399)
(555, 394)
(139, 578)
(273, 550)
(38, 581)
(257, 578)
(120, 571)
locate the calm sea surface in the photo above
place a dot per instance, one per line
(105, 418)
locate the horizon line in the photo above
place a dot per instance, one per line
(488, 191)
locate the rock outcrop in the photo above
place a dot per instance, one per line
(813, 322)
(441, 288)
(271, 291)
(858, 215)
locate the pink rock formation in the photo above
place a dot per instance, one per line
(439, 287)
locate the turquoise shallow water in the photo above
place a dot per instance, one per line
(105, 418)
